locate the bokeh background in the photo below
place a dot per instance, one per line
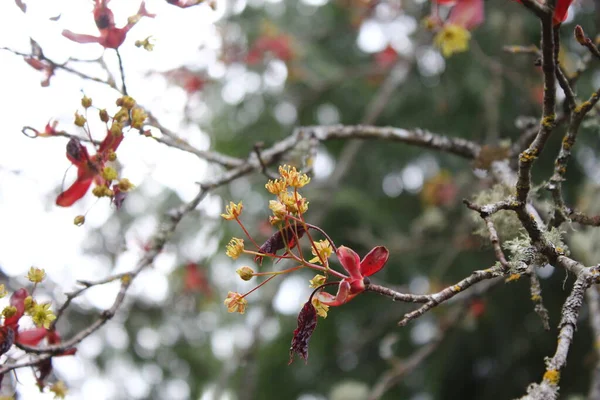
(329, 62)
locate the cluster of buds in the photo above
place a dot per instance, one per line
(97, 168)
(22, 304)
(288, 211)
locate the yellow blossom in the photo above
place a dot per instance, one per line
(321, 308)
(126, 101)
(41, 315)
(317, 281)
(322, 252)
(294, 202)
(452, 39)
(235, 248)
(3, 291)
(232, 211)
(277, 186)
(292, 177)
(235, 302)
(59, 389)
(138, 116)
(279, 210)
(116, 128)
(36, 275)
(245, 272)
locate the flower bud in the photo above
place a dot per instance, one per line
(245, 272)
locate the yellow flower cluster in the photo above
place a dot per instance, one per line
(41, 315)
(287, 201)
(36, 275)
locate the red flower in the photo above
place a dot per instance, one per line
(89, 168)
(358, 270)
(110, 36)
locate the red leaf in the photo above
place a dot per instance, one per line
(307, 322)
(80, 37)
(76, 191)
(343, 295)
(374, 261)
(31, 337)
(350, 261)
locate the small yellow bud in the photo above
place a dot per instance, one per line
(138, 117)
(245, 272)
(3, 291)
(86, 102)
(103, 115)
(79, 119)
(126, 101)
(125, 185)
(109, 173)
(122, 115)
(111, 155)
(29, 303)
(36, 275)
(102, 191)
(59, 389)
(9, 311)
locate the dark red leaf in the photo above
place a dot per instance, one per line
(276, 241)
(307, 322)
(44, 369)
(7, 338)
